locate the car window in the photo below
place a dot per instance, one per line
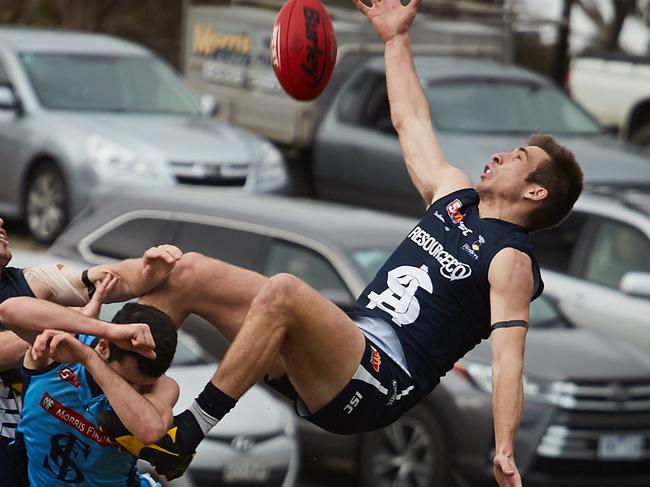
(555, 247)
(4, 77)
(238, 247)
(351, 101)
(306, 264)
(365, 103)
(616, 248)
(133, 237)
(504, 106)
(141, 84)
(369, 261)
(376, 109)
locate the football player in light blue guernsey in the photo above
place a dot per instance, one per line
(65, 285)
(71, 380)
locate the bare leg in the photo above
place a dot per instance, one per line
(215, 290)
(318, 345)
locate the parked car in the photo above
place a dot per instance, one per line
(597, 263)
(254, 445)
(478, 107)
(80, 112)
(614, 88)
(586, 419)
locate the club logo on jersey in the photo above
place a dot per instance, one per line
(453, 210)
(70, 376)
(65, 451)
(375, 359)
(474, 248)
(399, 299)
(450, 267)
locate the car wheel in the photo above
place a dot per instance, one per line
(412, 452)
(641, 137)
(46, 203)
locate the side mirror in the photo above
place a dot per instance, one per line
(8, 100)
(209, 105)
(636, 284)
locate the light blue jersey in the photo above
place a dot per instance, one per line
(59, 425)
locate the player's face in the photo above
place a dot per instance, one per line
(5, 253)
(505, 175)
(127, 367)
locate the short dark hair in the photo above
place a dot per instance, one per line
(163, 332)
(561, 176)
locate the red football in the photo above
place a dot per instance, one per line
(303, 48)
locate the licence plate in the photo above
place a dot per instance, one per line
(245, 471)
(620, 447)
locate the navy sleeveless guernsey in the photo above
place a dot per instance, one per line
(434, 290)
(12, 284)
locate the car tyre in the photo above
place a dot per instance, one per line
(641, 137)
(46, 203)
(412, 452)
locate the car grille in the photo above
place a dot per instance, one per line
(600, 431)
(214, 478)
(614, 396)
(206, 174)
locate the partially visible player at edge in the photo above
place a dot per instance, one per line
(464, 273)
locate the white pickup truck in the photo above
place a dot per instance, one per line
(615, 88)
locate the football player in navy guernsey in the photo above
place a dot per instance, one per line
(464, 273)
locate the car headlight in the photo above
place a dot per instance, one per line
(271, 172)
(535, 389)
(115, 159)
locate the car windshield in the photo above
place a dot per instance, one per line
(80, 82)
(504, 106)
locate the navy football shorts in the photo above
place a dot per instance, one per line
(377, 395)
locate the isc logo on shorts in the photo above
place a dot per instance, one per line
(353, 403)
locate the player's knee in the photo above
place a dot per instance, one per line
(193, 264)
(278, 293)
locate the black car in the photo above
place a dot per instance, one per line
(586, 419)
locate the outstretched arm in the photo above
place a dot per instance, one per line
(147, 414)
(431, 174)
(64, 284)
(27, 317)
(511, 284)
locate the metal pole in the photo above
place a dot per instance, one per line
(508, 32)
(561, 58)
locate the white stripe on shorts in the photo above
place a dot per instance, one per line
(365, 376)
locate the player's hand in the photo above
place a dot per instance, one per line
(103, 290)
(505, 471)
(60, 347)
(389, 17)
(158, 262)
(135, 337)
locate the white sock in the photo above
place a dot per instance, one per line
(203, 419)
